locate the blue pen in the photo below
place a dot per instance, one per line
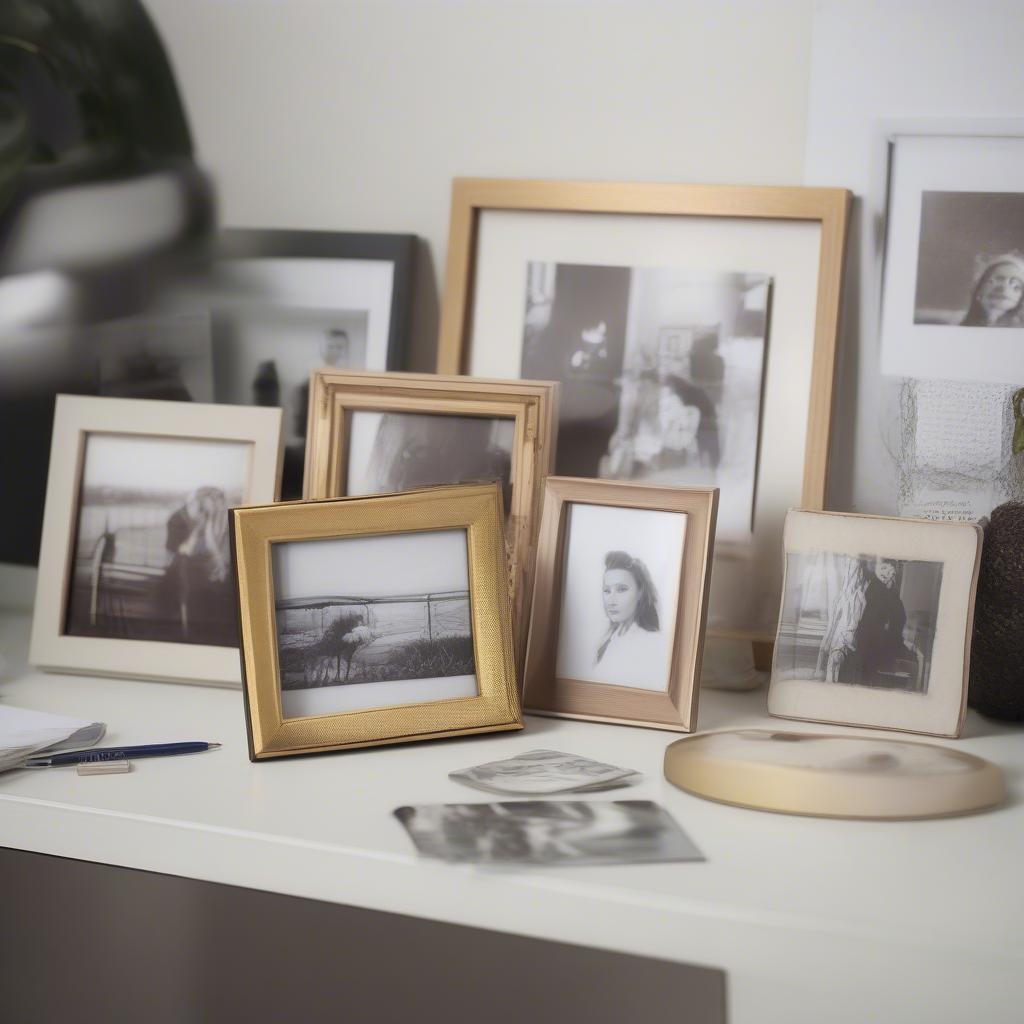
(116, 753)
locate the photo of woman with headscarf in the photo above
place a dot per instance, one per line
(998, 296)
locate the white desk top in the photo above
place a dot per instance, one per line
(812, 919)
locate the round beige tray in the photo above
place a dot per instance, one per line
(832, 776)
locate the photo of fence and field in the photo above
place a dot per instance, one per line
(341, 639)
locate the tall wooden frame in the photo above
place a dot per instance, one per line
(531, 405)
(827, 207)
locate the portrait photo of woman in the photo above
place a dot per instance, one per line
(631, 605)
(619, 602)
(998, 296)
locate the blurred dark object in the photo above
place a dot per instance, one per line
(997, 651)
(100, 203)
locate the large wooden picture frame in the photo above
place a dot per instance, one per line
(672, 706)
(345, 712)
(129, 578)
(793, 236)
(530, 406)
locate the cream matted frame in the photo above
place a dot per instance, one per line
(938, 712)
(676, 707)
(475, 508)
(530, 405)
(804, 229)
(77, 417)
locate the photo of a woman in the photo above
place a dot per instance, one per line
(620, 596)
(998, 296)
(196, 587)
(631, 605)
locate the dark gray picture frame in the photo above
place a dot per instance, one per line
(286, 243)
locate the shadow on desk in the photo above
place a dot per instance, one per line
(82, 941)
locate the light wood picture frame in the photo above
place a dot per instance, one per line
(298, 564)
(792, 237)
(134, 566)
(875, 622)
(527, 412)
(675, 535)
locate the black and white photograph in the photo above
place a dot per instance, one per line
(661, 371)
(538, 772)
(373, 621)
(275, 319)
(620, 597)
(865, 620)
(548, 832)
(953, 277)
(152, 558)
(970, 264)
(168, 357)
(264, 355)
(398, 451)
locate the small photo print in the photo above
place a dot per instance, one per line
(543, 772)
(619, 602)
(390, 452)
(152, 558)
(661, 371)
(373, 621)
(970, 266)
(548, 832)
(862, 620)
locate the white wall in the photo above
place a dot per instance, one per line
(877, 61)
(352, 116)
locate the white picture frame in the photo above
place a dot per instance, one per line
(951, 187)
(875, 622)
(76, 420)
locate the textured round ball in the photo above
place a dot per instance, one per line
(997, 649)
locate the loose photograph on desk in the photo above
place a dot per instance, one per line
(876, 621)
(548, 832)
(620, 601)
(375, 619)
(135, 566)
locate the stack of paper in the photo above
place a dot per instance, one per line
(24, 733)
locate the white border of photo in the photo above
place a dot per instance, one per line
(948, 162)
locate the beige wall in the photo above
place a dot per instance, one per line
(351, 116)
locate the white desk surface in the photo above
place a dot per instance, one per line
(812, 920)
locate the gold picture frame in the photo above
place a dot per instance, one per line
(794, 235)
(675, 705)
(531, 406)
(367, 719)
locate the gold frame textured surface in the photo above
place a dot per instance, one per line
(547, 694)
(532, 405)
(477, 508)
(829, 207)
